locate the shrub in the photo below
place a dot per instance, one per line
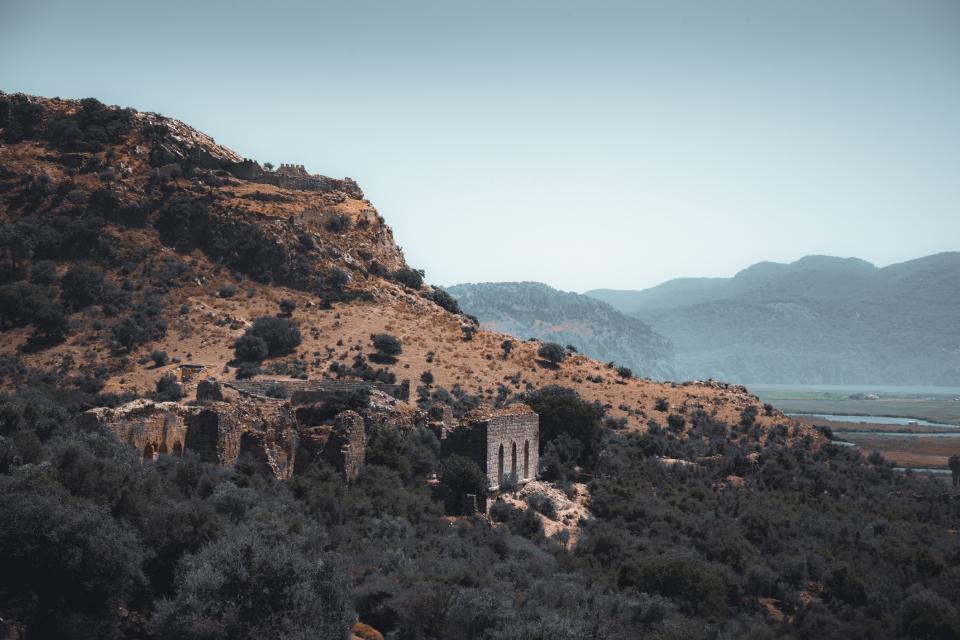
(509, 483)
(276, 390)
(460, 474)
(160, 358)
(502, 511)
(281, 335)
(507, 347)
(426, 378)
(247, 370)
(250, 348)
(662, 405)
(287, 307)
(552, 352)
(227, 291)
(386, 344)
(676, 422)
(336, 279)
(406, 276)
(81, 286)
(444, 300)
(541, 503)
(337, 223)
(624, 372)
(168, 389)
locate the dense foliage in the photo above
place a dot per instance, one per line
(97, 544)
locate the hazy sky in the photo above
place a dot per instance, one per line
(586, 144)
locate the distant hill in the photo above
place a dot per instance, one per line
(820, 319)
(534, 310)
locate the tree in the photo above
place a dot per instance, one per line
(563, 411)
(252, 586)
(160, 358)
(81, 286)
(552, 352)
(460, 474)
(507, 347)
(250, 348)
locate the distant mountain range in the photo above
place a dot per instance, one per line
(534, 310)
(817, 320)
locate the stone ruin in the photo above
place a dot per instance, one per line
(500, 441)
(218, 432)
(294, 176)
(237, 419)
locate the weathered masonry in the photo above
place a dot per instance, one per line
(504, 441)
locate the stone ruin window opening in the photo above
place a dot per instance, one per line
(513, 459)
(150, 452)
(500, 466)
(526, 459)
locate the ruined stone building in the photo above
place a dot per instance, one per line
(293, 176)
(502, 441)
(238, 418)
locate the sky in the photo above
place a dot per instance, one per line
(581, 144)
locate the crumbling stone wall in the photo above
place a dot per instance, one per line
(217, 432)
(214, 435)
(346, 448)
(150, 427)
(289, 176)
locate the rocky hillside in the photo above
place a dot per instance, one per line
(128, 233)
(817, 320)
(534, 310)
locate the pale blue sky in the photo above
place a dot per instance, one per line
(587, 144)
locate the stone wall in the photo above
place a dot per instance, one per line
(294, 177)
(517, 431)
(150, 427)
(217, 432)
(346, 449)
(513, 445)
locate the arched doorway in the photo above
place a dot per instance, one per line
(500, 466)
(526, 459)
(177, 449)
(513, 459)
(149, 453)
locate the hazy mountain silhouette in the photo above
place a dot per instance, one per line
(534, 310)
(820, 319)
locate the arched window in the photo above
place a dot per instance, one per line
(513, 459)
(500, 466)
(526, 459)
(149, 453)
(177, 449)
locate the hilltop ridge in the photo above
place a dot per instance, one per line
(193, 242)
